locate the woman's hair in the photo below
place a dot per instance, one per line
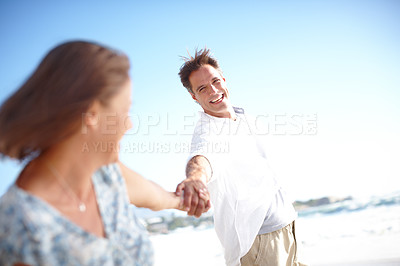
(201, 58)
(50, 105)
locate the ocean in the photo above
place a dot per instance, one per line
(353, 232)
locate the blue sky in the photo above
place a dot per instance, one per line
(322, 74)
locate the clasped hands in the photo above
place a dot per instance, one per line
(196, 198)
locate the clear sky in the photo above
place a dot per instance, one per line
(324, 76)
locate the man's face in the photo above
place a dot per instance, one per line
(210, 91)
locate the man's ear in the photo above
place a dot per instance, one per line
(193, 96)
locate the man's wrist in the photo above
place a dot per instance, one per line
(198, 177)
(204, 178)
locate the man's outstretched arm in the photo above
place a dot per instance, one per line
(198, 173)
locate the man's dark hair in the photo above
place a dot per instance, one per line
(191, 64)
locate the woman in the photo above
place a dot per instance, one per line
(70, 204)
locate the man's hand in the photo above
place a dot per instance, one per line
(196, 197)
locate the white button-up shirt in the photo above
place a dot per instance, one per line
(246, 197)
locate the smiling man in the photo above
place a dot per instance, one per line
(210, 91)
(253, 216)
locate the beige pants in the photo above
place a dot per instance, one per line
(273, 249)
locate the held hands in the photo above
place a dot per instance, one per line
(196, 199)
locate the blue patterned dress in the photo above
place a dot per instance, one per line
(35, 233)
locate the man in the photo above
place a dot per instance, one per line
(253, 217)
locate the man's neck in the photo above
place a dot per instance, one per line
(228, 114)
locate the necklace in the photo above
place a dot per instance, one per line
(66, 187)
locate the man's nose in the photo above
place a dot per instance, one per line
(213, 88)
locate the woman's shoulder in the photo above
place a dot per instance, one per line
(108, 174)
(11, 205)
(16, 209)
(108, 180)
(16, 226)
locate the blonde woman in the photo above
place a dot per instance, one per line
(71, 203)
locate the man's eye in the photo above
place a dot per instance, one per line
(217, 81)
(202, 88)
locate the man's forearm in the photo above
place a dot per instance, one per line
(199, 168)
(196, 197)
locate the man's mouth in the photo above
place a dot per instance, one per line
(219, 99)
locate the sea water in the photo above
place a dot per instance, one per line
(357, 230)
(352, 232)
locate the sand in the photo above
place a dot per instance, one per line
(188, 247)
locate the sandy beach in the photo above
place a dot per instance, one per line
(201, 247)
(361, 238)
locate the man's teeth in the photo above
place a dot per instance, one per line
(217, 100)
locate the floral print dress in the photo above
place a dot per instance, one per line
(35, 233)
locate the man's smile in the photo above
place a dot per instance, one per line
(218, 100)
